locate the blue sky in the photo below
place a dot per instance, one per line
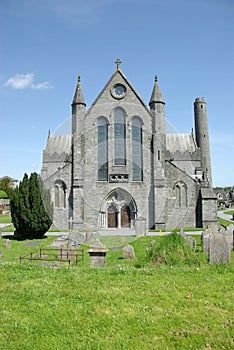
(46, 44)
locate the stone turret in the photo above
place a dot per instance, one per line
(157, 107)
(202, 136)
(78, 106)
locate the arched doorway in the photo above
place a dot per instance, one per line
(118, 210)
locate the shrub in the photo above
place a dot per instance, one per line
(3, 194)
(31, 208)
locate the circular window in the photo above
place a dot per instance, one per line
(118, 91)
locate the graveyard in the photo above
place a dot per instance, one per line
(129, 301)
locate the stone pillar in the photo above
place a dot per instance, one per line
(119, 218)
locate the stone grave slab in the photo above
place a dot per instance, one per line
(128, 252)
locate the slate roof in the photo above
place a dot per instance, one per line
(59, 144)
(180, 142)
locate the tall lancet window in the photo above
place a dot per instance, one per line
(181, 194)
(102, 149)
(59, 194)
(137, 163)
(120, 137)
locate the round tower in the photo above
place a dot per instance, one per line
(202, 135)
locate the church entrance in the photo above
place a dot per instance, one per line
(112, 216)
(125, 217)
(120, 210)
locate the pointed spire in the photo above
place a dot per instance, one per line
(156, 93)
(79, 97)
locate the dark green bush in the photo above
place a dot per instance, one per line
(31, 208)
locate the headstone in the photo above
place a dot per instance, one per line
(192, 242)
(230, 232)
(153, 242)
(8, 244)
(90, 236)
(219, 251)
(182, 233)
(219, 245)
(128, 252)
(58, 242)
(97, 254)
(205, 241)
(75, 239)
(140, 227)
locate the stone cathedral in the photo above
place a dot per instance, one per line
(119, 164)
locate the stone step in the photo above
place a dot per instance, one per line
(116, 232)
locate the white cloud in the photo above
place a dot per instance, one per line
(23, 81)
(20, 81)
(42, 86)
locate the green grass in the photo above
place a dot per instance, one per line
(224, 222)
(229, 212)
(117, 307)
(5, 219)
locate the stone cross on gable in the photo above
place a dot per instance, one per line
(118, 62)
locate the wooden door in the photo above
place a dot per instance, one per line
(125, 217)
(112, 216)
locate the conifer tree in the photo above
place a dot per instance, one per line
(31, 208)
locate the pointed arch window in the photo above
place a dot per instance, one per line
(119, 137)
(102, 149)
(137, 161)
(59, 194)
(181, 194)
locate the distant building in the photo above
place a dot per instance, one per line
(119, 163)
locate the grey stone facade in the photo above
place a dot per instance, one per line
(119, 164)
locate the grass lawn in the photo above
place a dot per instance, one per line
(118, 307)
(229, 212)
(5, 219)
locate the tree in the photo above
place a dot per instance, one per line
(3, 194)
(31, 208)
(7, 185)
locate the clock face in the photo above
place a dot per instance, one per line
(119, 91)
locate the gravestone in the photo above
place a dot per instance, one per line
(8, 244)
(140, 227)
(90, 236)
(128, 252)
(182, 233)
(153, 242)
(97, 254)
(230, 232)
(219, 245)
(190, 240)
(75, 239)
(58, 242)
(205, 241)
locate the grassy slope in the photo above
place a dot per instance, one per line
(117, 307)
